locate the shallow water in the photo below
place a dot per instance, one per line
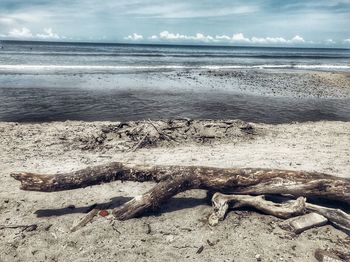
(53, 104)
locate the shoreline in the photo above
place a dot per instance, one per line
(294, 83)
(180, 229)
(252, 95)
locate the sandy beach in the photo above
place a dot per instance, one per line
(68, 106)
(156, 131)
(179, 231)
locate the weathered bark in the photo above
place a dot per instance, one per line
(286, 210)
(90, 176)
(174, 179)
(153, 198)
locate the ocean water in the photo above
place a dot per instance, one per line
(31, 57)
(77, 81)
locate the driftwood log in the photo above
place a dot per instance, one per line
(172, 180)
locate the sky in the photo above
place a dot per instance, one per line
(321, 23)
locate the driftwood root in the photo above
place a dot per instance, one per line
(286, 210)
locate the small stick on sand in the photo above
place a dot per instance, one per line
(139, 143)
(31, 227)
(161, 134)
(85, 220)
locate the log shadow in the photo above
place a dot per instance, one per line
(178, 203)
(113, 203)
(330, 203)
(174, 204)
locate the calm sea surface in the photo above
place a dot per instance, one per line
(74, 81)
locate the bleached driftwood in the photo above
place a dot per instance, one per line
(85, 220)
(288, 209)
(336, 216)
(172, 180)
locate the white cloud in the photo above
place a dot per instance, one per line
(297, 40)
(26, 33)
(238, 38)
(276, 40)
(165, 35)
(134, 37)
(171, 36)
(347, 41)
(222, 38)
(20, 33)
(48, 34)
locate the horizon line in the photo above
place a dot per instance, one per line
(168, 44)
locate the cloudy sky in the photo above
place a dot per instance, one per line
(238, 22)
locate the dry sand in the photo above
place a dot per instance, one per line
(180, 229)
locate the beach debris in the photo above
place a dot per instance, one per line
(148, 228)
(331, 256)
(200, 249)
(85, 220)
(93, 141)
(241, 182)
(161, 134)
(115, 228)
(92, 211)
(258, 257)
(47, 227)
(248, 128)
(103, 213)
(28, 228)
(212, 243)
(139, 144)
(148, 133)
(301, 223)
